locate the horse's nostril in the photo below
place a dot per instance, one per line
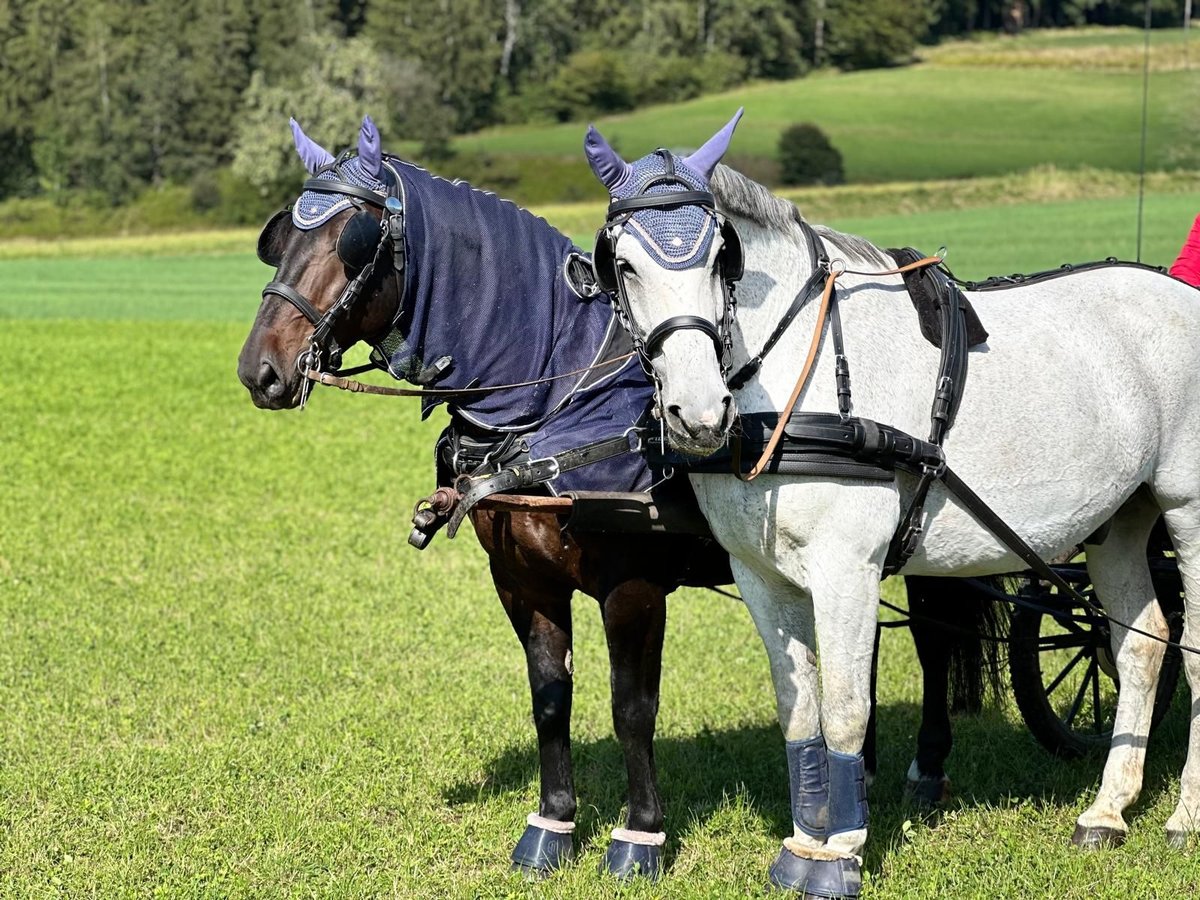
(268, 379)
(728, 412)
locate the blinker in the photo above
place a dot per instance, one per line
(269, 249)
(358, 241)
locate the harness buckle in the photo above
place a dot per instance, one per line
(935, 471)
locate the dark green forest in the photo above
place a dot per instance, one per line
(106, 98)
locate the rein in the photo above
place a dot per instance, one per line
(358, 387)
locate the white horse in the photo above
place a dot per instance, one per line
(1082, 408)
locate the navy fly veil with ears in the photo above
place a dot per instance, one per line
(486, 284)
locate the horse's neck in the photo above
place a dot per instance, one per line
(882, 340)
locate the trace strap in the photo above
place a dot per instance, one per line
(993, 523)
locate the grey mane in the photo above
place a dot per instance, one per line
(740, 196)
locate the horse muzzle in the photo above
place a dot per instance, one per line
(270, 385)
(700, 432)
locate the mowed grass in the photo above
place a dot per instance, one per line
(225, 674)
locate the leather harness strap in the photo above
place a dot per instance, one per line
(529, 473)
(831, 274)
(359, 387)
(816, 252)
(661, 201)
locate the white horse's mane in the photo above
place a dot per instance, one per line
(744, 197)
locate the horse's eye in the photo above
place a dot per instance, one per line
(626, 268)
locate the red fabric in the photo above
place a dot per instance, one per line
(1187, 265)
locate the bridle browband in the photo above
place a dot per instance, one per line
(362, 242)
(609, 278)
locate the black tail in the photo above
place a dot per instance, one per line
(974, 628)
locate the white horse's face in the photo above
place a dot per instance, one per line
(695, 403)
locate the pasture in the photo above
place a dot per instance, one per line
(223, 673)
(921, 122)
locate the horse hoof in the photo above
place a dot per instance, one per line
(1177, 840)
(626, 860)
(1097, 837)
(834, 878)
(539, 852)
(789, 872)
(928, 793)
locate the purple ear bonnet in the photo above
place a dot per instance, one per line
(315, 208)
(675, 238)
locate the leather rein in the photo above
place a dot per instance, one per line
(332, 379)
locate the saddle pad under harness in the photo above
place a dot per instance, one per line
(924, 286)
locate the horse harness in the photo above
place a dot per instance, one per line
(844, 445)
(731, 262)
(363, 241)
(819, 443)
(475, 462)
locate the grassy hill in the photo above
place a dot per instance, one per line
(970, 109)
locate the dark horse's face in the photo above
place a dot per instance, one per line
(308, 261)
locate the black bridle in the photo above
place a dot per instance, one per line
(364, 239)
(730, 262)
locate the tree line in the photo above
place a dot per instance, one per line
(112, 96)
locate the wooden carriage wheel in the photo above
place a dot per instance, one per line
(1063, 676)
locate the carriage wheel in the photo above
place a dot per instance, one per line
(1063, 675)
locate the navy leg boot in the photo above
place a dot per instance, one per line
(808, 772)
(842, 878)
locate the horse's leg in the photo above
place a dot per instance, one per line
(870, 747)
(927, 597)
(540, 613)
(634, 615)
(1119, 571)
(1184, 525)
(845, 594)
(783, 615)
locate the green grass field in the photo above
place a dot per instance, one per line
(225, 674)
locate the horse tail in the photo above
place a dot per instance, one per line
(974, 631)
(978, 658)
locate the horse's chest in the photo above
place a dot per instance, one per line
(776, 518)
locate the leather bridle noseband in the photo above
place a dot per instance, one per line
(730, 261)
(362, 242)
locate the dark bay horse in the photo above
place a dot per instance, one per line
(454, 288)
